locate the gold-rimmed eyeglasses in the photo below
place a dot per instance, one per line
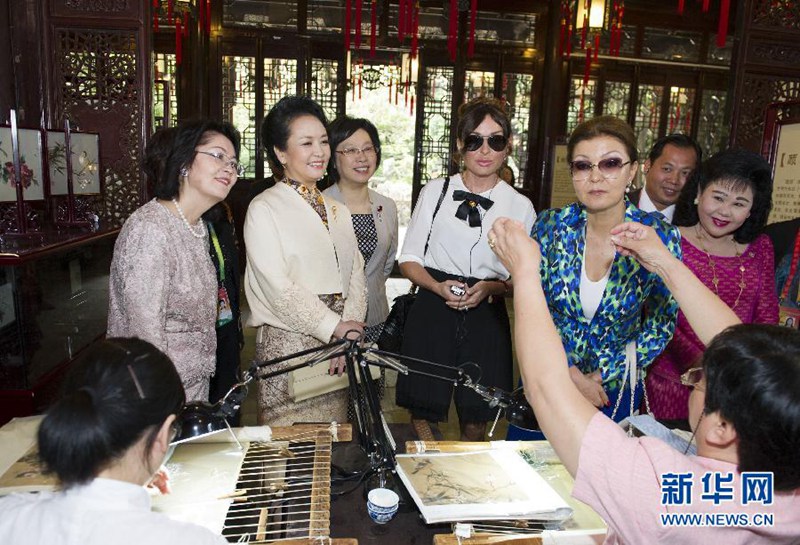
(693, 377)
(224, 160)
(354, 152)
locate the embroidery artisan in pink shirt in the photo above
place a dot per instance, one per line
(744, 410)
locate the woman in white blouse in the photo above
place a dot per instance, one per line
(460, 314)
(104, 440)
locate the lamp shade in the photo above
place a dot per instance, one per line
(197, 419)
(520, 413)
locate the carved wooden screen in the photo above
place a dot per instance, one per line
(768, 69)
(434, 155)
(97, 86)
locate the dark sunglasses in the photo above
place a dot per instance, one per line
(497, 142)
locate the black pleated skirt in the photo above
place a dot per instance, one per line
(437, 333)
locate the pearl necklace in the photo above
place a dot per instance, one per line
(712, 264)
(200, 232)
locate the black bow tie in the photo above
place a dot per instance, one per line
(469, 208)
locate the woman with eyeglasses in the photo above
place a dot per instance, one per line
(613, 315)
(304, 280)
(459, 318)
(721, 216)
(105, 438)
(356, 156)
(163, 286)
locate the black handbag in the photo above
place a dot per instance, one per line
(391, 337)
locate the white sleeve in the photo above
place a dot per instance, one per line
(420, 225)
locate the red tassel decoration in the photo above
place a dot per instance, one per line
(201, 13)
(411, 108)
(680, 7)
(583, 100)
(401, 20)
(358, 26)
(186, 24)
(360, 72)
(588, 66)
(171, 10)
(155, 21)
(452, 34)
(473, 16)
(722, 30)
(208, 17)
(409, 15)
(687, 127)
(373, 28)
(585, 28)
(178, 41)
(415, 31)
(705, 5)
(347, 9)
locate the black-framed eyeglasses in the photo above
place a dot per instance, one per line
(224, 160)
(368, 151)
(497, 142)
(693, 377)
(610, 168)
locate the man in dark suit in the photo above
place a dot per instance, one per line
(666, 170)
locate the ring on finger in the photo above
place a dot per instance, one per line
(492, 243)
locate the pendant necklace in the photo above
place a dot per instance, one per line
(713, 265)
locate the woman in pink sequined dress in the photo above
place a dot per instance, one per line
(722, 210)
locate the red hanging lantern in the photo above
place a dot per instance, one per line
(452, 34)
(473, 16)
(401, 20)
(155, 15)
(722, 30)
(415, 31)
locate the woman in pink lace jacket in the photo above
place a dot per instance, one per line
(722, 210)
(163, 286)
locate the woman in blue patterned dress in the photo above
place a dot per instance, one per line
(356, 156)
(611, 312)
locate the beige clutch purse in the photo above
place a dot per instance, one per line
(308, 382)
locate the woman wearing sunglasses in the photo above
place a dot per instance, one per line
(721, 215)
(460, 314)
(597, 297)
(163, 286)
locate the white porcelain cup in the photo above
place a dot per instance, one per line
(382, 504)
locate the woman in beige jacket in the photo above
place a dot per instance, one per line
(305, 280)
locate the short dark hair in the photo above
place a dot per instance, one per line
(753, 380)
(155, 155)
(679, 141)
(472, 113)
(604, 125)
(119, 391)
(275, 127)
(737, 169)
(188, 135)
(343, 128)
